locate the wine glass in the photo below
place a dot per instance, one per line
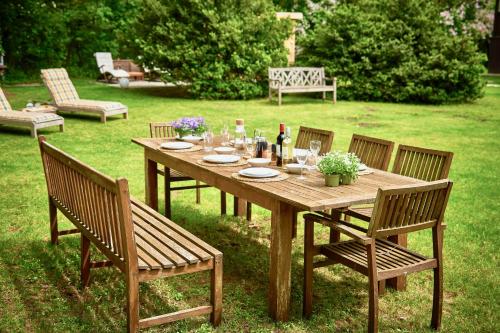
(315, 147)
(301, 156)
(208, 139)
(225, 135)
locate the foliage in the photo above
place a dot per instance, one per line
(332, 163)
(397, 51)
(221, 48)
(351, 165)
(40, 33)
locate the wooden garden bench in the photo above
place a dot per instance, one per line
(139, 241)
(300, 80)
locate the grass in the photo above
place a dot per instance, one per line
(39, 283)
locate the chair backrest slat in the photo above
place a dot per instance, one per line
(60, 86)
(375, 153)
(162, 130)
(90, 199)
(306, 134)
(422, 163)
(403, 209)
(4, 103)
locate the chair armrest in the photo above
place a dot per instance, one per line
(344, 227)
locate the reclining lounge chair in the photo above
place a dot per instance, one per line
(32, 120)
(66, 98)
(105, 64)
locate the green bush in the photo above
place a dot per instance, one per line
(222, 49)
(398, 51)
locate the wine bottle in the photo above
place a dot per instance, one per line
(287, 147)
(279, 145)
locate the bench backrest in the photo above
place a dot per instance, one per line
(60, 86)
(98, 205)
(296, 76)
(404, 209)
(4, 103)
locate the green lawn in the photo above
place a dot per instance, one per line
(39, 283)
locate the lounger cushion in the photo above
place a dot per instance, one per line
(28, 117)
(91, 105)
(59, 85)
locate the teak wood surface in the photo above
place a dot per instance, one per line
(281, 198)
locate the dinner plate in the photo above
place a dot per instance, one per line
(176, 145)
(191, 138)
(224, 150)
(259, 162)
(362, 167)
(259, 172)
(221, 159)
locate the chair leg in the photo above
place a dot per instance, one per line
(249, 211)
(216, 291)
(223, 206)
(270, 95)
(132, 303)
(437, 302)
(85, 260)
(54, 234)
(308, 268)
(198, 193)
(373, 289)
(168, 208)
(294, 225)
(335, 235)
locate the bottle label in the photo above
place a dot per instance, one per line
(278, 150)
(285, 153)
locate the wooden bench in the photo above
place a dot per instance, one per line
(300, 80)
(139, 241)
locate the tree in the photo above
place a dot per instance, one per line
(397, 51)
(221, 48)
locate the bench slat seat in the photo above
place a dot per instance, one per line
(143, 244)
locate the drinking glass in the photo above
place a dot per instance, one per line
(249, 147)
(208, 140)
(301, 156)
(225, 135)
(315, 147)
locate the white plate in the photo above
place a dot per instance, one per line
(259, 172)
(176, 145)
(259, 162)
(221, 159)
(191, 138)
(362, 167)
(224, 150)
(295, 168)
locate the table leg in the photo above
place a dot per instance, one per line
(151, 182)
(399, 282)
(240, 207)
(280, 263)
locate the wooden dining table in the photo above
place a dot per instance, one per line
(283, 198)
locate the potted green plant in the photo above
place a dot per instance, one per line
(332, 166)
(350, 171)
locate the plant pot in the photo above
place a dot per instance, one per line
(332, 180)
(346, 179)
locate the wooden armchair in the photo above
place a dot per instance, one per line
(398, 210)
(165, 130)
(307, 134)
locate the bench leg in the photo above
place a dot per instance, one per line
(53, 223)
(132, 303)
(223, 204)
(324, 95)
(198, 193)
(216, 291)
(279, 97)
(270, 95)
(168, 208)
(85, 260)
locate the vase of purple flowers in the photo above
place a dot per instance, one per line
(190, 126)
